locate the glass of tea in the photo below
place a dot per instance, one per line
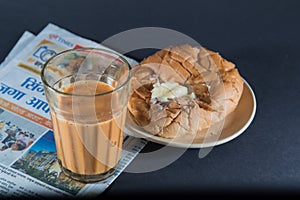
(87, 90)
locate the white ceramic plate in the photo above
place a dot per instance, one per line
(234, 125)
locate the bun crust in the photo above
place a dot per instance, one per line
(215, 83)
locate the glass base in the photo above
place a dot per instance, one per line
(87, 178)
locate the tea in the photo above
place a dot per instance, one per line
(88, 131)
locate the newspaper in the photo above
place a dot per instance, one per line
(32, 170)
(25, 39)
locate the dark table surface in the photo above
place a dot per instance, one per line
(261, 37)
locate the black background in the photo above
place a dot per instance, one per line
(261, 37)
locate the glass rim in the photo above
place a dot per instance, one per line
(45, 82)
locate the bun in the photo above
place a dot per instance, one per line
(200, 88)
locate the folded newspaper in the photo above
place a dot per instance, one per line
(32, 170)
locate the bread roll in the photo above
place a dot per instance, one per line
(182, 90)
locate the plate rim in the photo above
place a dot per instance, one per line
(168, 142)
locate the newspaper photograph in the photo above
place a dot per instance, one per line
(28, 162)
